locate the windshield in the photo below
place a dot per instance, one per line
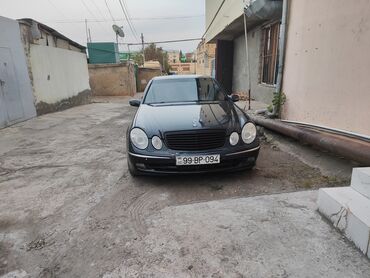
(184, 90)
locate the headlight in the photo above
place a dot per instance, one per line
(139, 138)
(234, 138)
(249, 133)
(157, 142)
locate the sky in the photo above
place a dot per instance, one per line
(158, 20)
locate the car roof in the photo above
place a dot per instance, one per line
(171, 77)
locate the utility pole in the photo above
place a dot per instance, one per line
(163, 54)
(129, 53)
(248, 64)
(87, 33)
(142, 43)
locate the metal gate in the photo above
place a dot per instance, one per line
(16, 94)
(11, 108)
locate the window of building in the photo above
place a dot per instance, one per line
(269, 53)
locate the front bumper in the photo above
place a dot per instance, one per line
(166, 164)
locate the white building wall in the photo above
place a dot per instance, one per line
(58, 73)
(326, 73)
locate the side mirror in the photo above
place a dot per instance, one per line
(135, 102)
(234, 98)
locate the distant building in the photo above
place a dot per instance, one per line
(152, 65)
(173, 56)
(182, 68)
(205, 55)
(103, 53)
(190, 57)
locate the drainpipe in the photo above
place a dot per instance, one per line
(276, 109)
(350, 148)
(248, 64)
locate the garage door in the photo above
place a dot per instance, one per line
(10, 98)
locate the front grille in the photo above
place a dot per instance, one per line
(195, 140)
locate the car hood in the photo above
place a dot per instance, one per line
(157, 119)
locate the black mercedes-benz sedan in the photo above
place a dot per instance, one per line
(189, 124)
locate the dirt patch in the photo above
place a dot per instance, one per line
(69, 208)
(7, 263)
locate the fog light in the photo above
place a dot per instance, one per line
(157, 142)
(140, 165)
(234, 138)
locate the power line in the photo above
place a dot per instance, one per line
(55, 7)
(128, 14)
(88, 9)
(98, 9)
(124, 19)
(110, 12)
(169, 41)
(145, 43)
(214, 17)
(133, 31)
(91, 13)
(126, 8)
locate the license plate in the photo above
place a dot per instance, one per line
(197, 159)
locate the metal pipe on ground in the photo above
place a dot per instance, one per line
(349, 148)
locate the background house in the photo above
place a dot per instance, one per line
(173, 56)
(190, 57)
(182, 68)
(111, 73)
(205, 56)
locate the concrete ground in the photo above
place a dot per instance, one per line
(69, 208)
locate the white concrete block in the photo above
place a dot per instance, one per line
(360, 180)
(349, 211)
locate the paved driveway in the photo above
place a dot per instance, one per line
(69, 208)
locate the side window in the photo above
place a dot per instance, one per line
(204, 88)
(219, 92)
(210, 90)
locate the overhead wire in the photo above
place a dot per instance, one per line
(128, 14)
(98, 9)
(214, 17)
(168, 41)
(110, 12)
(146, 43)
(56, 8)
(132, 28)
(92, 14)
(124, 19)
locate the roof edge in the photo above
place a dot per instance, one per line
(29, 21)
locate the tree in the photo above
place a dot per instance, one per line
(152, 52)
(137, 57)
